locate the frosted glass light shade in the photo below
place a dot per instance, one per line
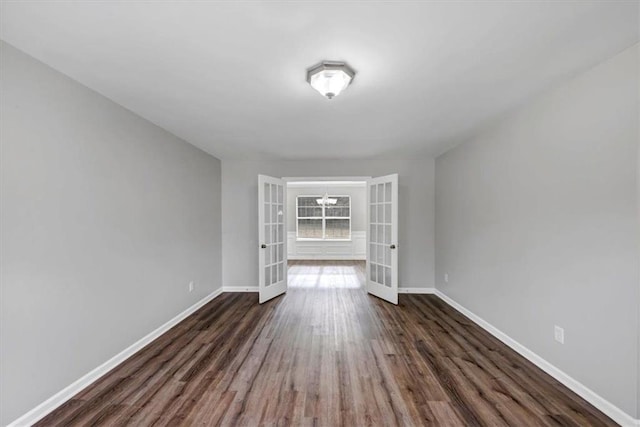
(330, 78)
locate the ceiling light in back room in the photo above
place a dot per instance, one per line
(330, 77)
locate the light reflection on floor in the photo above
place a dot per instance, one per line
(326, 274)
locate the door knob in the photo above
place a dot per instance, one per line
(393, 246)
(263, 246)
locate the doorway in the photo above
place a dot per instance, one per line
(328, 233)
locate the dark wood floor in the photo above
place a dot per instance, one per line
(326, 354)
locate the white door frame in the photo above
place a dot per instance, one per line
(325, 178)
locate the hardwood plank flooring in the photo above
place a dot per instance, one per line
(326, 354)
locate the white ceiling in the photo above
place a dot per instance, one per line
(229, 77)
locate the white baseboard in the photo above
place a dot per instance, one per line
(400, 290)
(327, 257)
(71, 390)
(239, 289)
(416, 290)
(608, 408)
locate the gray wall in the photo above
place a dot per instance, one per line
(240, 211)
(358, 203)
(537, 225)
(105, 220)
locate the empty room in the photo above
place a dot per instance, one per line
(319, 213)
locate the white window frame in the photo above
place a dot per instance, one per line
(324, 221)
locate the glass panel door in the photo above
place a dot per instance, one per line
(273, 241)
(382, 238)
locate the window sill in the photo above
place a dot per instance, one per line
(302, 239)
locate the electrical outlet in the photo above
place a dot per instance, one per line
(192, 286)
(558, 334)
(446, 277)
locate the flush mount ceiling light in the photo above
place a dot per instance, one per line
(330, 77)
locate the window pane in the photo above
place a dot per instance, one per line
(308, 201)
(310, 228)
(341, 201)
(339, 211)
(337, 229)
(305, 212)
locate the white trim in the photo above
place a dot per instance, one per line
(328, 257)
(608, 408)
(322, 184)
(240, 289)
(402, 290)
(46, 407)
(325, 178)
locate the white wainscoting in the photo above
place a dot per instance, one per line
(356, 248)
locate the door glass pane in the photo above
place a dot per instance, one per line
(281, 252)
(280, 271)
(373, 233)
(274, 254)
(380, 234)
(373, 272)
(274, 193)
(267, 255)
(387, 255)
(274, 213)
(372, 252)
(267, 234)
(387, 277)
(274, 234)
(280, 214)
(267, 213)
(381, 217)
(280, 233)
(387, 192)
(387, 213)
(387, 234)
(372, 194)
(372, 213)
(274, 274)
(380, 193)
(267, 276)
(380, 274)
(280, 191)
(380, 254)
(267, 193)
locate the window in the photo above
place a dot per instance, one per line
(318, 217)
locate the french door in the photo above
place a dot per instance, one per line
(272, 253)
(382, 237)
